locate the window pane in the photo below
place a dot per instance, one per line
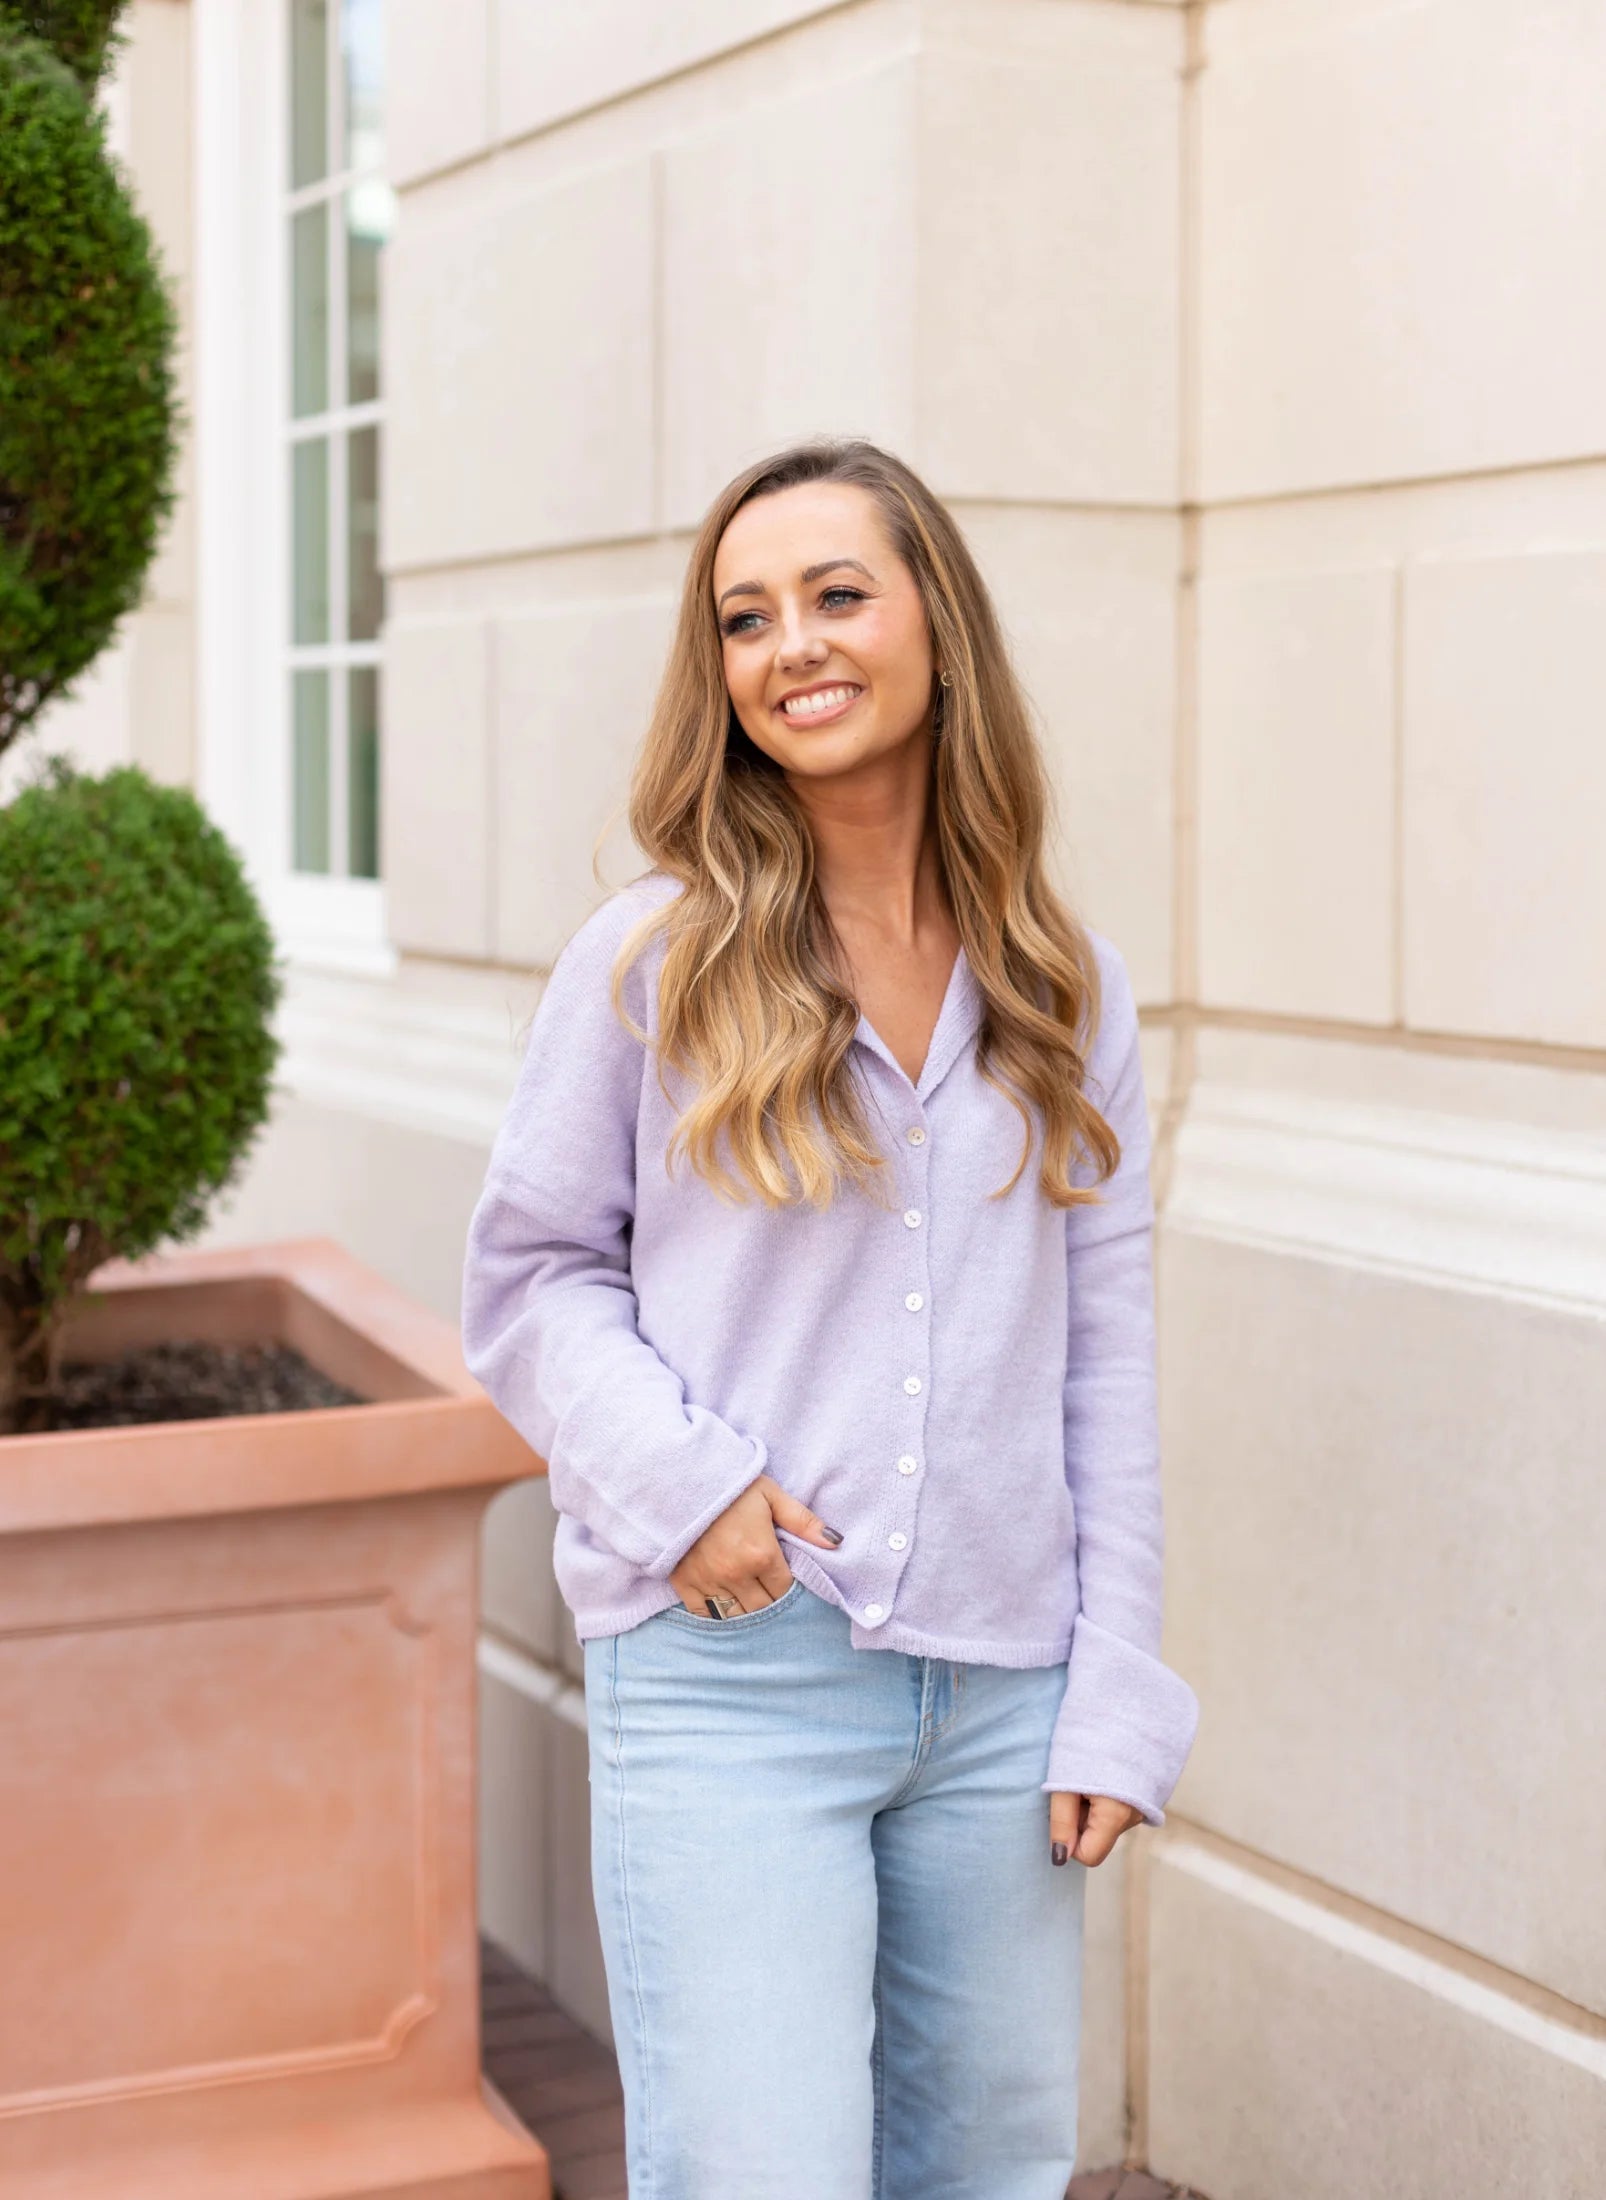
(366, 589)
(369, 208)
(362, 55)
(309, 538)
(309, 91)
(362, 787)
(310, 774)
(309, 310)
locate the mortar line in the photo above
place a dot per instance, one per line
(1397, 795)
(1392, 1038)
(1354, 1926)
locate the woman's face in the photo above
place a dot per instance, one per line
(812, 600)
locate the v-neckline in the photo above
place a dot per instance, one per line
(873, 1039)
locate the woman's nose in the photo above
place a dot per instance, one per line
(796, 645)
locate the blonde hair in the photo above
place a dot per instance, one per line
(748, 1002)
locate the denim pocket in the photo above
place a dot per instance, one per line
(705, 1623)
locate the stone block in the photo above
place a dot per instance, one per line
(1088, 602)
(435, 786)
(1049, 196)
(788, 279)
(1296, 2051)
(575, 685)
(1384, 1514)
(519, 342)
(515, 1847)
(1397, 210)
(1296, 778)
(518, 1596)
(555, 62)
(1505, 795)
(437, 85)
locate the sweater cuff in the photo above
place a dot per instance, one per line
(1125, 1724)
(747, 1469)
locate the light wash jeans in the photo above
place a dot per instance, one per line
(840, 1963)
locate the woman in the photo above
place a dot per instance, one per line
(814, 1256)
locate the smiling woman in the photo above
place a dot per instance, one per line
(798, 837)
(836, 1332)
(815, 648)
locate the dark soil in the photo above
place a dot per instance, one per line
(192, 1381)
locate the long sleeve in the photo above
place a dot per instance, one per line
(549, 1312)
(1127, 1721)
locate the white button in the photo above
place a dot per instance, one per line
(916, 1135)
(907, 1465)
(912, 1217)
(914, 1302)
(874, 1611)
(911, 1383)
(897, 1539)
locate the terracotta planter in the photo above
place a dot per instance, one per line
(237, 1766)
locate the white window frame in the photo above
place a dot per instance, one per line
(242, 417)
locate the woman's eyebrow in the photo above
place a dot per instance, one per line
(810, 573)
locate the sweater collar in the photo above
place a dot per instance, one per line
(958, 1021)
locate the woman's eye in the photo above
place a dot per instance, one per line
(736, 623)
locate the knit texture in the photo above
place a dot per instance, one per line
(964, 1385)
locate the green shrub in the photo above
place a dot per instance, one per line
(88, 420)
(82, 33)
(137, 981)
(137, 984)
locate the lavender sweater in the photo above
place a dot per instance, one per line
(965, 1387)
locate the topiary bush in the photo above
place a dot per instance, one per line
(88, 417)
(137, 981)
(82, 33)
(137, 984)
(137, 977)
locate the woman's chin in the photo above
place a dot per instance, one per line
(858, 751)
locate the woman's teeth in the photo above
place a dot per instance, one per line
(805, 706)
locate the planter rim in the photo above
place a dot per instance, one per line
(447, 1437)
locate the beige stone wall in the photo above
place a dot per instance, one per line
(1377, 1951)
(1258, 346)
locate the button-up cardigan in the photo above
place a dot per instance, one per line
(964, 1386)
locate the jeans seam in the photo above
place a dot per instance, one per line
(917, 1764)
(954, 1694)
(877, 2085)
(629, 1922)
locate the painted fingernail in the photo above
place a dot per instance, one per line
(834, 1533)
(1060, 1852)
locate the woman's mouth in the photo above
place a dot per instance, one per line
(821, 705)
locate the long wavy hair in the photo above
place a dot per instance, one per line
(750, 1007)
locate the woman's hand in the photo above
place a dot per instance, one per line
(738, 1556)
(1087, 1827)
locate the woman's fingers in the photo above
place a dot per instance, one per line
(751, 1591)
(755, 1594)
(776, 1578)
(1086, 1827)
(1106, 1821)
(790, 1513)
(1064, 1824)
(737, 1554)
